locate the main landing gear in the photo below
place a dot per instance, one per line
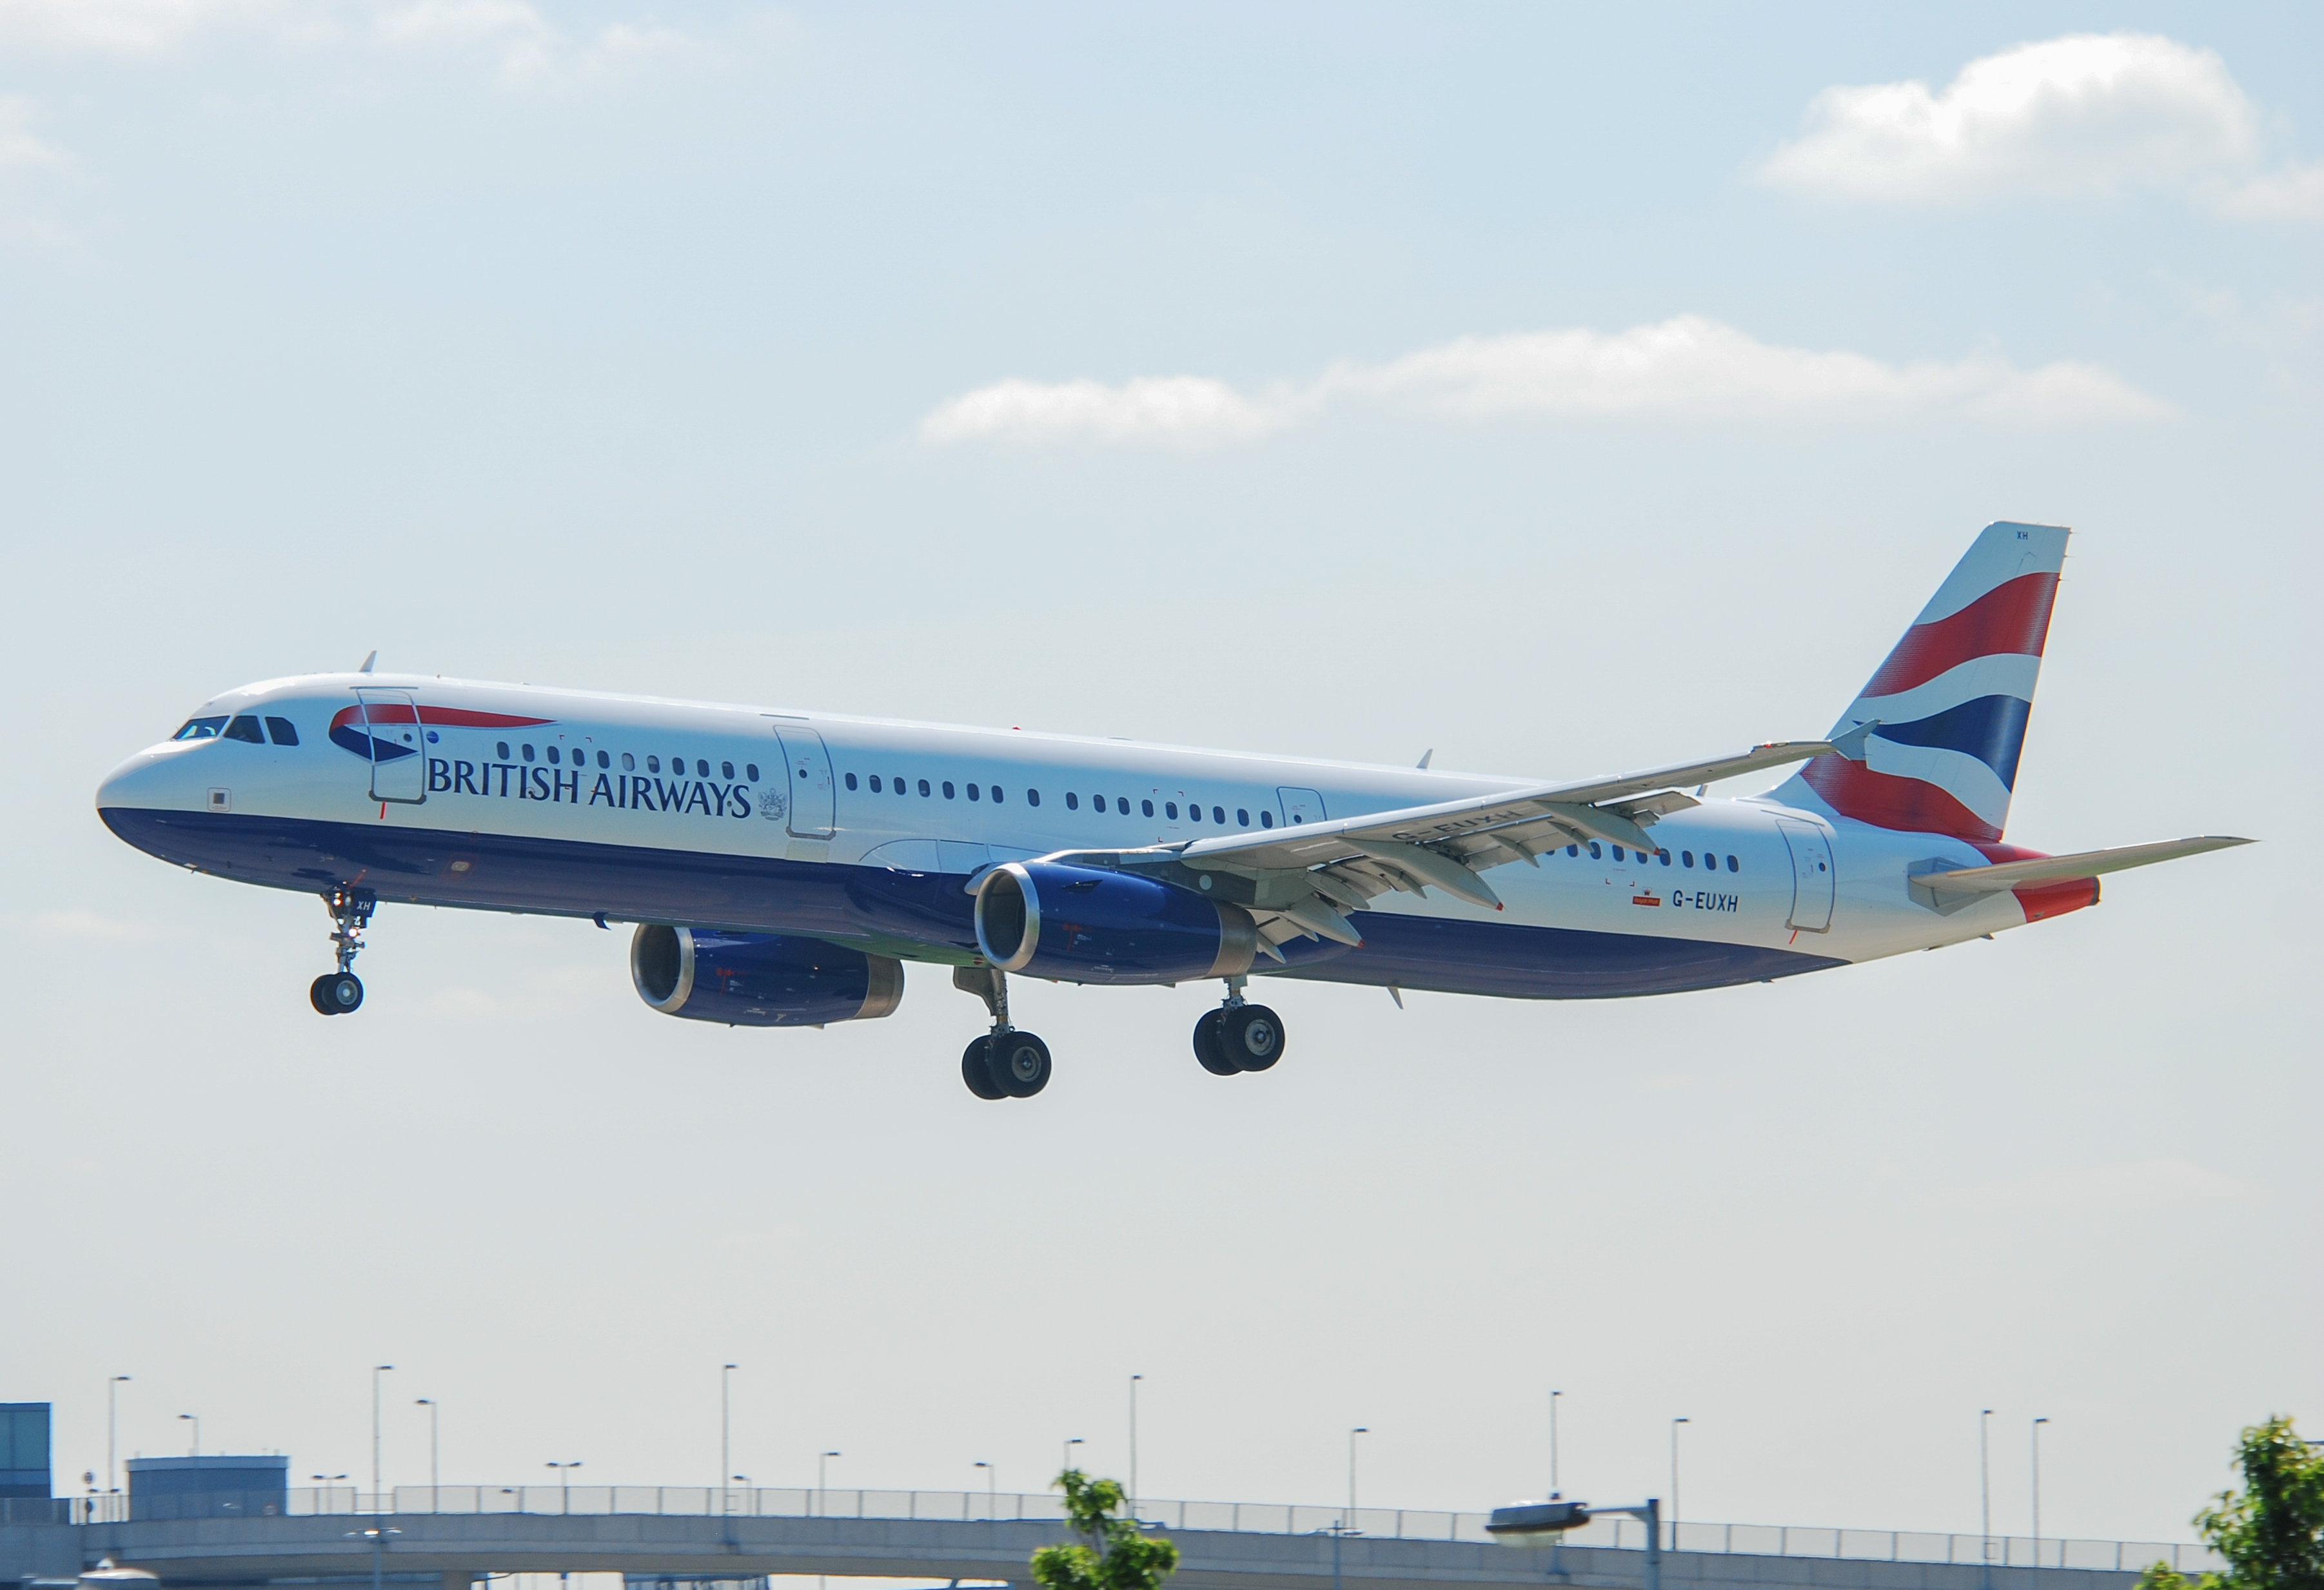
(336, 993)
(1005, 1063)
(1238, 1037)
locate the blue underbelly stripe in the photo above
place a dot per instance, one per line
(503, 872)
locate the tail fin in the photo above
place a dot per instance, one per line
(1949, 704)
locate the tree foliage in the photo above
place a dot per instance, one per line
(1113, 1552)
(2272, 1531)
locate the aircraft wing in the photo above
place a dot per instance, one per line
(1967, 881)
(1304, 879)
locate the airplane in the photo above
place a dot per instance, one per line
(780, 867)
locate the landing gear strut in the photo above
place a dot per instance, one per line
(1238, 1037)
(336, 993)
(1006, 1063)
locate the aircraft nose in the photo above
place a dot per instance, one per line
(144, 780)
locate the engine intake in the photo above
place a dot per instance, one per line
(1085, 924)
(760, 980)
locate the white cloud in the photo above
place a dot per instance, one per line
(1686, 367)
(2087, 114)
(21, 149)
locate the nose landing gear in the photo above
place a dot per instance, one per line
(1006, 1063)
(1238, 1037)
(336, 993)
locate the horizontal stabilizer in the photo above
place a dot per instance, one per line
(2012, 875)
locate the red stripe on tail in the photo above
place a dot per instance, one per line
(1912, 805)
(2012, 617)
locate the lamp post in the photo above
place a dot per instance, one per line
(2037, 1489)
(376, 1371)
(992, 1490)
(725, 1436)
(565, 1482)
(1674, 1424)
(1984, 1497)
(377, 1536)
(197, 1423)
(1066, 1459)
(1133, 1446)
(111, 1428)
(327, 1481)
(1359, 1430)
(821, 1460)
(435, 1478)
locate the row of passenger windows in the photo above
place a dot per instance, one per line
(1685, 858)
(1098, 802)
(244, 726)
(630, 762)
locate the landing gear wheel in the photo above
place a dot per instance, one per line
(335, 993)
(1020, 1063)
(1210, 1049)
(1251, 1035)
(976, 1070)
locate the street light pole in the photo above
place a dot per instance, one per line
(1066, 1459)
(992, 1490)
(565, 1482)
(376, 1371)
(725, 1436)
(1674, 1424)
(435, 1478)
(1359, 1430)
(112, 1429)
(822, 1459)
(1553, 1443)
(2037, 1489)
(1133, 1446)
(198, 1432)
(1984, 1497)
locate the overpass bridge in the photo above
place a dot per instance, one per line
(449, 1538)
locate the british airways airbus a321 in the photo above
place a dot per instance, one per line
(780, 866)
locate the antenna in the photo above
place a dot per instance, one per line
(370, 658)
(1424, 756)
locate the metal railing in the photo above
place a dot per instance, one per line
(977, 1506)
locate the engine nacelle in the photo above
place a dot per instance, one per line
(1085, 924)
(759, 980)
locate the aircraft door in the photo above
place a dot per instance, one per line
(1300, 806)
(808, 764)
(399, 750)
(1812, 876)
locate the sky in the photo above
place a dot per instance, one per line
(1557, 390)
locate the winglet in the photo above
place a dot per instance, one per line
(372, 657)
(1424, 756)
(1851, 744)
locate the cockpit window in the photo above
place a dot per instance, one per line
(200, 728)
(245, 728)
(284, 732)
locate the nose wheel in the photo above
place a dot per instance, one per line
(1006, 1062)
(1238, 1037)
(338, 993)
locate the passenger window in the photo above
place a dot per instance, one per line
(851, 782)
(1686, 858)
(552, 753)
(199, 728)
(948, 789)
(1733, 865)
(1032, 797)
(875, 784)
(1218, 813)
(726, 770)
(1072, 802)
(1266, 818)
(1595, 853)
(899, 787)
(1171, 809)
(245, 727)
(1618, 853)
(528, 753)
(924, 787)
(283, 730)
(502, 749)
(653, 764)
(1242, 817)
(750, 769)
(702, 766)
(1147, 807)
(1663, 856)
(996, 794)
(973, 795)
(629, 763)
(1574, 849)
(604, 760)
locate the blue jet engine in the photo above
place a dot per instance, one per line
(1085, 924)
(759, 979)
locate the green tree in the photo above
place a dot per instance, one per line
(2272, 1531)
(1113, 1554)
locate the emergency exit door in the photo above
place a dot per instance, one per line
(399, 750)
(809, 765)
(1812, 878)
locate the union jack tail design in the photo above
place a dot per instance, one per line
(1948, 707)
